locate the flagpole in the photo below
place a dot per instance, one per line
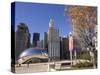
(71, 58)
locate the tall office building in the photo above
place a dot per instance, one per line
(36, 39)
(64, 48)
(53, 42)
(45, 43)
(41, 44)
(22, 39)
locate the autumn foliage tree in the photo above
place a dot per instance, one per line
(84, 20)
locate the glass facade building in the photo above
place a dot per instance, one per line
(36, 39)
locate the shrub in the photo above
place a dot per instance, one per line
(83, 65)
(84, 55)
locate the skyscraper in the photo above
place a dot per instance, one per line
(36, 39)
(41, 44)
(64, 50)
(53, 42)
(22, 39)
(45, 40)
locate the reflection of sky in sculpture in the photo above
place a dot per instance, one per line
(33, 51)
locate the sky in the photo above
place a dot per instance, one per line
(37, 16)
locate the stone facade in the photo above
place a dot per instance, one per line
(53, 42)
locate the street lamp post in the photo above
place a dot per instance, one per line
(75, 56)
(92, 58)
(94, 48)
(54, 61)
(48, 64)
(71, 58)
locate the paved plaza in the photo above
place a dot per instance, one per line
(45, 67)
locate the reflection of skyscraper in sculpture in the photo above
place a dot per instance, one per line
(53, 41)
(22, 39)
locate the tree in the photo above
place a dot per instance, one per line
(84, 20)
